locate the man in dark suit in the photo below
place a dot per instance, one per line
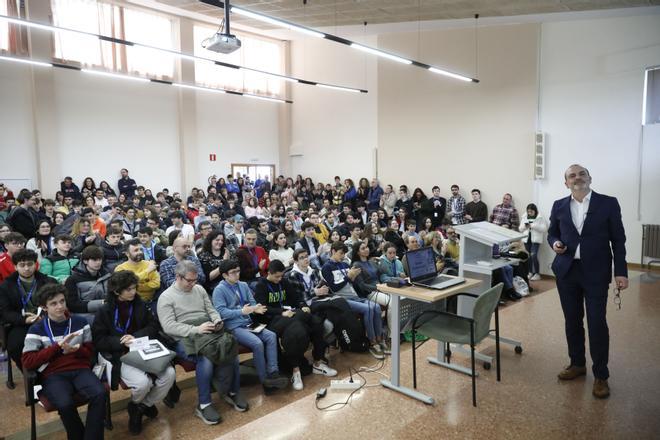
(586, 233)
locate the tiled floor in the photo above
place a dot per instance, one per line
(529, 403)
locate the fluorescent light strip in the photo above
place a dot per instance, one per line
(276, 22)
(449, 74)
(203, 89)
(380, 53)
(115, 75)
(263, 98)
(24, 61)
(343, 89)
(169, 51)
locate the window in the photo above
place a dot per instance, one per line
(256, 52)
(253, 171)
(115, 21)
(651, 110)
(12, 37)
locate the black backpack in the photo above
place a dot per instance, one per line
(347, 328)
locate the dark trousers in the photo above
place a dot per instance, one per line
(574, 294)
(59, 388)
(15, 342)
(296, 332)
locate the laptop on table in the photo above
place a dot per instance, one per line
(423, 273)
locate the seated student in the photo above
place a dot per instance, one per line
(13, 242)
(234, 302)
(130, 223)
(145, 271)
(280, 250)
(151, 248)
(187, 230)
(181, 250)
(339, 278)
(212, 255)
(411, 229)
(121, 319)
(82, 236)
(264, 236)
(86, 288)
(112, 249)
(61, 262)
(356, 233)
(291, 319)
(411, 245)
(18, 300)
(252, 259)
(43, 242)
(98, 225)
(310, 244)
(365, 282)
(60, 347)
(389, 266)
(158, 234)
(184, 302)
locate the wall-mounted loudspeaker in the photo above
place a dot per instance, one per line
(539, 155)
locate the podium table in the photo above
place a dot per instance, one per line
(417, 294)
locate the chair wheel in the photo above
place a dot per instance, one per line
(518, 349)
(11, 385)
(486, 365)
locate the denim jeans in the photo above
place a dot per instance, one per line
(264, 349)
(370, 312)
(533, 249)
(228, 377)
(507, 276)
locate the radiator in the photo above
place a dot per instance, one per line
(650, 241)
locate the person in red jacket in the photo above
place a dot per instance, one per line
(252, 259)
(60, 347)
(13, 242)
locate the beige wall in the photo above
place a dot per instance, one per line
(433, 130)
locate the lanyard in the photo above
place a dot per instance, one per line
(280, 294)
(394, 268)
(49, 331)
(25, 298)
(255, 258)
(237, 291)
(308, 286)
(148, 252)
(128, 321)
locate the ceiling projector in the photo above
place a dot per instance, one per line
(223, 43)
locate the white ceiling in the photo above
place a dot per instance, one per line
(324, 13)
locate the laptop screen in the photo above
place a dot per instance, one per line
(421, 263)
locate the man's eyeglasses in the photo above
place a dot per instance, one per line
(189, 280)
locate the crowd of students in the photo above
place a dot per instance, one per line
(275, 264)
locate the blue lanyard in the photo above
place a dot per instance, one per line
(237, 291)
(25, 300)
(49, 331)
(148, 252)
(280, 294)
(394, 267)
(255, 258)
(128, 321)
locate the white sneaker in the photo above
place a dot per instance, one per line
(324, 370)
(535, 277)
(296, 379)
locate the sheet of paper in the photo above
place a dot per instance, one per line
(139, 343)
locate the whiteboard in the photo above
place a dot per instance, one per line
(16, 185)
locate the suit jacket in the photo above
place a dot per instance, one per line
(603, 239)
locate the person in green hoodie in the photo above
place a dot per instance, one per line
(61, 262)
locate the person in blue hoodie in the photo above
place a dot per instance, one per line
(235, 303)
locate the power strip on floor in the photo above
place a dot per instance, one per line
(345, 384)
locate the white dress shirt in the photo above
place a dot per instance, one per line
(579, 215)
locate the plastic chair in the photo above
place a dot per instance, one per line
(452, 328)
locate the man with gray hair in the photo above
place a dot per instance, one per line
(186, 302)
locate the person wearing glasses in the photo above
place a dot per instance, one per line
(182, 250)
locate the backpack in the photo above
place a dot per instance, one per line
(349, 331)
(520, 286)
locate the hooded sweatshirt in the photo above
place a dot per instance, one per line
(85, 292)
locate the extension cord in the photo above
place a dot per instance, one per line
(345, 384)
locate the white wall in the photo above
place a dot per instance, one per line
(592, 76)
(335, 132)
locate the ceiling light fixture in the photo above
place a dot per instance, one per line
(24, 61)
(51, 28)
(337, 39)
(115, 75)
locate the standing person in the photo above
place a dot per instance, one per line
(126, 185)
(586, 233)
(434, 207)
(476, 210)
(535, 225)
(456, 206)
(388, 200)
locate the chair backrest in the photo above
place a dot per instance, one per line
(483, 311)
